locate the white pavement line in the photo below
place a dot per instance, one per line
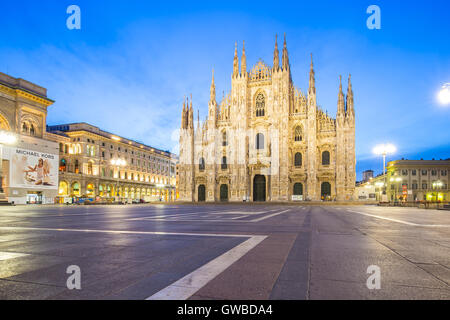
(194, 281)
(171, 215)
(240, 217)
(130, 232)
(401, 221)
(269, 216)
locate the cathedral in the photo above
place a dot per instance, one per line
(267, 140)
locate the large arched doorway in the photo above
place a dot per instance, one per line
(90, 190)
(259, 188)
(76, 189)
(298, 189)
(224, 192)
(325, 191)
(201, 193)
(63, 188)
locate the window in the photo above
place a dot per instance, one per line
(298, 159)
(325, 158)
(32, 131)
(404, 172)
(224, 165)
(443, 173)
(62, 165)
(259, 141)
(424, 186)
(414, 185)
(424, 172)
(224, 139)
(61, 147)
(433, 172)
(89, 169)
(260, 105)
(77, 169)
(414, 172)
(298, 134)
(201, 164)
(24, 128)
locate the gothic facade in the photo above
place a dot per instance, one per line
(267, 140)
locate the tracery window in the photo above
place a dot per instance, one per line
(298, 136)
(260, 105)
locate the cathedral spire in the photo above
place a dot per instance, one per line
(350, 109)
(312, 80)
(191, 115)
(243, 60)
(183, 114)
(213, 88)
(285, 57)
(198, 119)
(276, 59)
(341, 103)
(235, 62)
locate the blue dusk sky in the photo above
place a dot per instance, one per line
(132, 62)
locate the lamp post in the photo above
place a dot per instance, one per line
(7, 138)
(444, 94)
(384, 150)
(118, 163)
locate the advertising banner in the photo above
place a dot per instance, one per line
(33, 169)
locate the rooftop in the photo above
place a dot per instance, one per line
(62, 129)
(19, 83)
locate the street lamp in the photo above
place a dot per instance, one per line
(384, 149)
(118, 163)
(444, 94)
(7, 138)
